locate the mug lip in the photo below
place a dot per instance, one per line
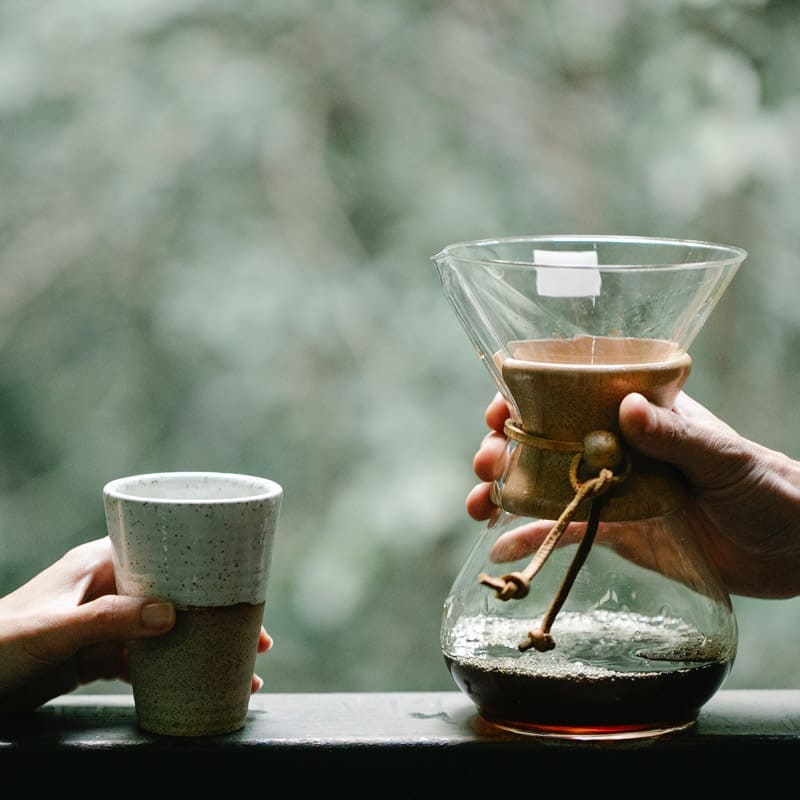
(728, 255)
(123, 488)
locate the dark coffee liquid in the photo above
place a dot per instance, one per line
(594, 685)
(619, 702)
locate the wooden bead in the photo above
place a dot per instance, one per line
(602, 450)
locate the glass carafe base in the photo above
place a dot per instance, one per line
(613, 709)
(600, 733)
(612, 676)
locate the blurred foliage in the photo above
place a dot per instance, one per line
(216, 224)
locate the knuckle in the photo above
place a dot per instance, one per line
(108, 614)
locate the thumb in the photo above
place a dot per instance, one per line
(696, 443)
(110, 618)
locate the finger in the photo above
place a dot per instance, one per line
(521, 542)
(111, 618)
(489, 460)
(526, 539)
(706, 451)
(82, 573)
(497, 413)
(264, 641)
(95, 558)
(479, 503)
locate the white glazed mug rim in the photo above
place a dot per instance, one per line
(131, 488)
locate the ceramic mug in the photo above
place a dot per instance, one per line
(202, 540)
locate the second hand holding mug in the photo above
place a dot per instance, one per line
(202, 540)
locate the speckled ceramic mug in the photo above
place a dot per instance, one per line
(202, 540)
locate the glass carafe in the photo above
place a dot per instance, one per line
(586, 609)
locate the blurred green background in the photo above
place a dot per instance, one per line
(216, 223)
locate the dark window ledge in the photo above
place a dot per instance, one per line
(406, 741)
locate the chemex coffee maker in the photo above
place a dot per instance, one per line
(586, 609)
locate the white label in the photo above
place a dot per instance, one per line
(582, 282)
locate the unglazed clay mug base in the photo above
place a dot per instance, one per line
(202, 540)
(195, 680)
